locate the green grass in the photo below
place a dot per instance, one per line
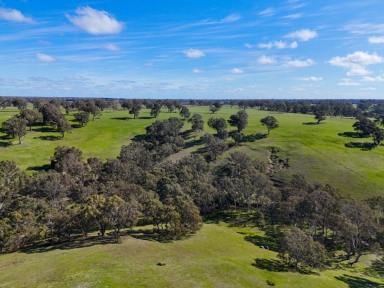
(317, 151)
(217, 256)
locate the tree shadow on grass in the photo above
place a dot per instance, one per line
(377, 268)
(192, 143)
(275, 265)
(233, 218)
(5, 143)
(78, 242)
(44, 167)
(264, 242)
(270, 265)
(44, 129)
(311, 123)
(149, 235)
(121, 118)
(350, 134)
(48, 138)
(364, 146)
(358, 282)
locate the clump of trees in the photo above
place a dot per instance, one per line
(368, 128)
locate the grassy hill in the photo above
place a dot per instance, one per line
(220, 254)
(317, 151)
(217, 256)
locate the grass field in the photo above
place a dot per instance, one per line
(217, 256)
(317, 151)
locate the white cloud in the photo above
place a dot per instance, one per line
(95, 22)
(111, 47)
(376, 40)
(379, 78)
(194, 53)
(45, 58)
(249, 46)
(231, 18)
(14, 16)
(237, 71)
(311, 78)
(278, 45)
(266, 60)
(293, 16)
(196, 71)
(348, 82)
(356, 62)
(303, 35)
(267, 12)
(297, 63)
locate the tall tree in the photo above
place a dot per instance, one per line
(197, 122)
(239, 120)
(184, 112)
(270, 123)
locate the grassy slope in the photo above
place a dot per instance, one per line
(316, 151)
(218, 256)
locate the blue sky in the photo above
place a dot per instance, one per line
(192, 49)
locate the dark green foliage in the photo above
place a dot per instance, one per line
(239, 120)
(82, 118)
(220, 125)
(270, 123)
(197, 122)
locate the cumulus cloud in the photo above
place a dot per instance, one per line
(196, 71)
(194, 53)
(311, 78)
(266, 60)
(376, 40)
(356, 62)
(278, 45)
(95, 22)
(297, 63)
(45, 58)
(237, 71)
(14, 16)
(111, 47)
(303, 35)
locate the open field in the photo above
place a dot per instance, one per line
(317, 151)
(217, 256)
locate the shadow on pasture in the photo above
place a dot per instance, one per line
(358, 282)
(44, 129)
(311, 123)
(121, 118)
(253, 137)
(364, 146)
(192, 143)
(45, 167)
(275, 265)
(264, 242)
(48, 138)
(5, 143)
(78, 242)
(377, 268)
(233, 218)
(351, 134)
(149, 235)
(270, 265)
(146, 117)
